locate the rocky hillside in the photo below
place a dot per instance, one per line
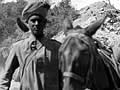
(91, 13)
(109, 33)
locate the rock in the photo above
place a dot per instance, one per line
(109, 32)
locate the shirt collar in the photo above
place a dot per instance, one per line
(32, 38)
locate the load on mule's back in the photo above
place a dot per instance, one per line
(83, 66)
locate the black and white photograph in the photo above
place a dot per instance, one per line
(59, 44)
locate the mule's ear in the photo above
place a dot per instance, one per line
(22, 25)
(91, 29)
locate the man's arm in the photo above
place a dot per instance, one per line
(10, 65)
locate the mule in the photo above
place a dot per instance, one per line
(84, 66)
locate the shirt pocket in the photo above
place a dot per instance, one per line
(40, 64)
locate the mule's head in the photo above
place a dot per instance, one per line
(77, 53)
(76, 56)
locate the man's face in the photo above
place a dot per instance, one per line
(36, 24)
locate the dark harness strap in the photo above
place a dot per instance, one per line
(106, 62)
(111, 62)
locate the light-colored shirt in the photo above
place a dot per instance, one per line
(38, 68)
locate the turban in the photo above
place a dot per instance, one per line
(34, 8)
(37, 8)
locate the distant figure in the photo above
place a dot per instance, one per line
(37, 56)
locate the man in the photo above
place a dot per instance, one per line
(36, 56)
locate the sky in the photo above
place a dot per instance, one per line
(78, 4)
(82, 3)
